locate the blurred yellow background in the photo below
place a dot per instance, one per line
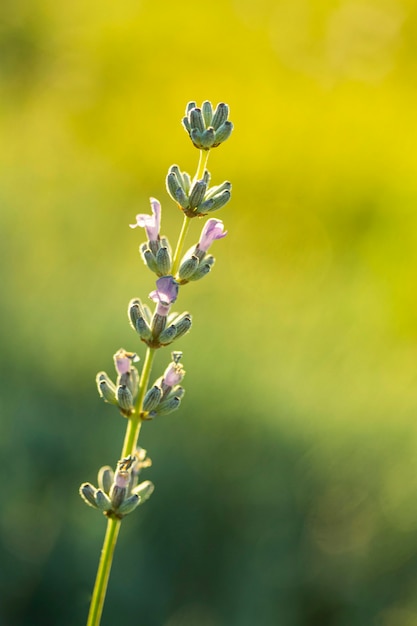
(286, 485)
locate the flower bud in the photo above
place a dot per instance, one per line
(187, 268)
(124, 399)
(105, 478)
(152, 398)
(220, 115)
(144, 490)
(207, 111)
(182, 324)
(197, 194)
(148, 258)
(203, 269)
(163, 261)
(88, 492)
(102, 501)
(169, 405)
(129, 505)
(196, 119)
(222, 134)
(106, 388)
(168, 335)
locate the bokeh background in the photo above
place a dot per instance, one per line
(286, 487)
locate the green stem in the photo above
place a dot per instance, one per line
(135, 422)
(113, 525)
(103, 572)
(202, 164)
(180, 244)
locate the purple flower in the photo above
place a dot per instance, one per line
(165, 294)
(173, 374)
(151, 223)
(123, 361)
(213, 229)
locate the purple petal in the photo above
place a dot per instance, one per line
(173, 374)
(151, 223)
(166, 291)
(213, 229)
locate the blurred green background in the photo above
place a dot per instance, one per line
(286, 486)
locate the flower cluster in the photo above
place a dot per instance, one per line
(119, 493)
(196, 198)
(207, 129)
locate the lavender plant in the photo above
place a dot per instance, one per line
(119, 492)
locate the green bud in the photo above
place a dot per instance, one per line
(130, 379)
(186, 182)
(214, 191)
(148, 257)
(187, 268)
(152, 398)
(186, 124)
(124, 399)
(222, 133)
(202, 270)
(196, 137)
(172, 183)
(196, 119)
(105, 478)
(220, 115)
(129, 505)
(88, 492)
(208, 138)
(144, 490)
(142, 327)
(190, 105)
(215, 203)
(106, 388)
(102, 501)
(117, 496)
(169, 405)
(158, 325)
(168, 335)
(197, 193)
(182, 323)
(207, 111)
(178, 391)
(163, 261)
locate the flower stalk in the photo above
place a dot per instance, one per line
(119, 493)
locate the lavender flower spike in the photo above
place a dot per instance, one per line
(213, 229)
(165, 294)
(151, 223)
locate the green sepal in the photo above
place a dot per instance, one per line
(129, 505)
(144, 490)
(105, 478)
(102, 501)
(106, 388)
(168, 335)
(152, 398)
(163, 261)
(88, 492)
(124, 399)
(220, 115)
(187, 268)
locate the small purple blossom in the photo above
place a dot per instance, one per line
(173, 374)
(165, 294)
(123, 361)
(213, 229)
(151, 223)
